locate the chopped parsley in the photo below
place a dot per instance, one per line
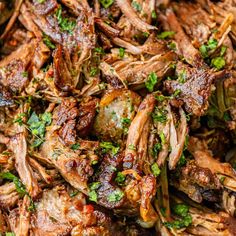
(154, 14)
(156, 148)
(115, 196)
(64, 23)
(92, 191)
(48, 42)
(73, 194)
(75, 146)
(136, 6)
(182, 211)
(159, 115)
(166, 34)
(99, 50)
(37, 126)
(93, 71)
(41, 1)
(120, 178)
(19, 118)
(205, 48)
(108, 146)
(171, 46)
(176, 93)
(218, 62)
(155, 169)
(151, 81)
(182, 160)
(162, 137)
(121, 52)
(106, 3)
(131, 147)
(182, 77)
(9, 234)
(24, 74)
(126, 121)
(20, 187)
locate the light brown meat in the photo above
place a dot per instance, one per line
(18, 146)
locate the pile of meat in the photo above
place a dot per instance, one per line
(117, 117)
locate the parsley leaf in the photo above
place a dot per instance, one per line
(155, 169)
(151, 81)
(65, 24)
(218, 63)
(106, 3)
(136, 6)
(92, 193)
(108, 146)
(120, 178)
(121, 52)
(115, 196)
(159, 115)
(166, 34)
(48, 42)
(75, 146)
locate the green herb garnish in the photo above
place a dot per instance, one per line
(136, 6)
(48, 42)
(75, 146)
(121, 52)
(120, 178)
(64, 23)
(106, 3)
(218, 63)
(155, 169)
(166, 34)
(108, 146)
(151, 81)
(115, 196)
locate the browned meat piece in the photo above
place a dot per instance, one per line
(74, 165)
(8, 196)
(67, 110)
(3, 223)
(18, 146)
(115, 107)
(195, 90)
(131, 159)
(148, 191)
(105, 175)
(198, 183)
(196, 22)
(86, 115)
(19, 218)
(185, 47)
(57, 214)
(63, 78)
(201, 176)
(5, 97)
(45, 7)
(68, 132)
(131, 15)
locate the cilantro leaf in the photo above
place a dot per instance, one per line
(155, 169)
(106, 3)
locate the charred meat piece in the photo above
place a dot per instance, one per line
(195, 90)
(86, 115)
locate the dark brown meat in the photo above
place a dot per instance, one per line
(68, 132)
(5, 97)
(62, 76)
(45, 7)
(86, 115)
(196, 91)
(105, 175)
(67, 110)
(201, 176)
